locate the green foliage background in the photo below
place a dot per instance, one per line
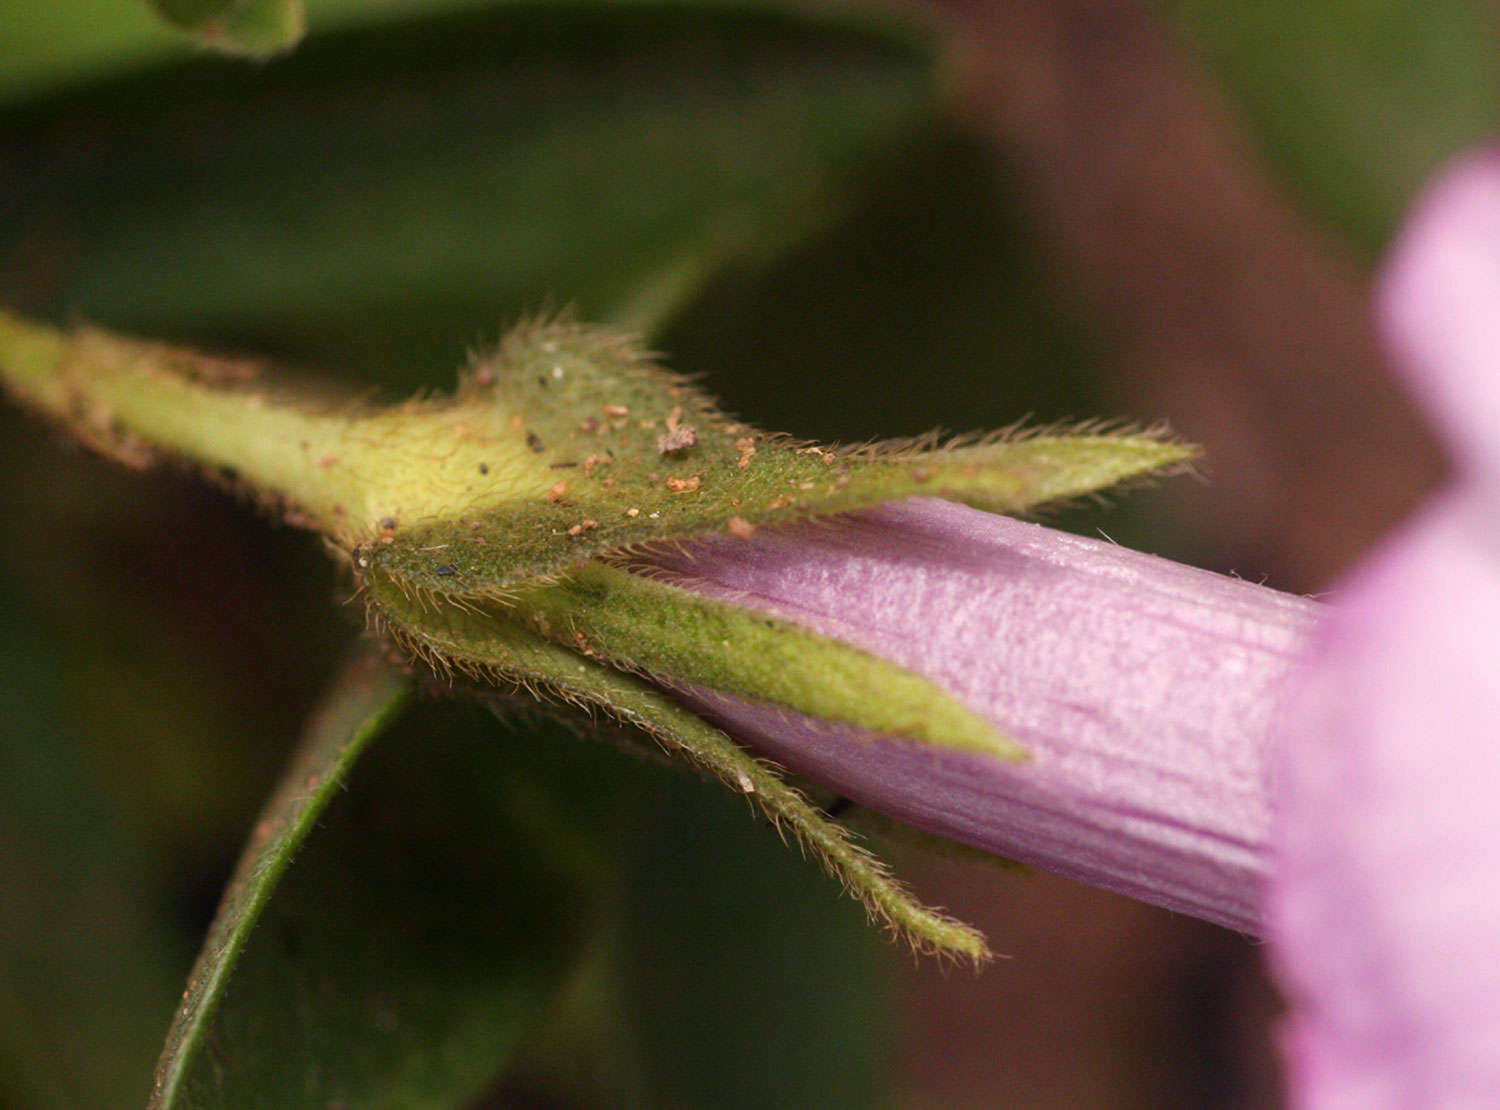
(781, 198)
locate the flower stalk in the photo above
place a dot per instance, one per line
(575, 520)
(334, 465)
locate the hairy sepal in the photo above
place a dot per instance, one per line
(630, 455)
(667, 632)
(456, 639)
(660, 630)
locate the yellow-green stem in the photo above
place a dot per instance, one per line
(344, 468)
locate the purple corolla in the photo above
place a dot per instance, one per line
(1143, 689)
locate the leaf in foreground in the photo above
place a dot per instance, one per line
(401, 954)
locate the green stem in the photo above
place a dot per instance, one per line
(340, 467)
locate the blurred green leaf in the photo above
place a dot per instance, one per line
(182, 696)
(365, 698)
(883, 324)
(87, 969)
(257, 28)
(1355, 104)
(46, 47)
(385, 195)
(411, 942)
(752, 983)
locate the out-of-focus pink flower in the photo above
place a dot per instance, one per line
(1144, 690)
(1385, 906)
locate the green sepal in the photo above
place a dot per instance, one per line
(665, 631)
(506, 651)
(631, 455)
(256, 28)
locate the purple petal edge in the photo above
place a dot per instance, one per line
(1386, 911)
(1438, 302)
(1142, 688)
(1386, 906)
